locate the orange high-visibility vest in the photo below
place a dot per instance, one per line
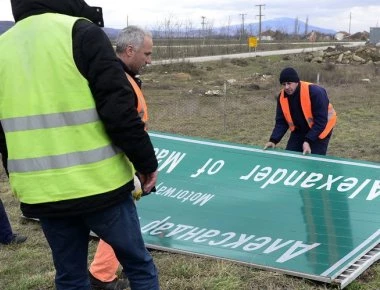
(142, 108)
(306, 109)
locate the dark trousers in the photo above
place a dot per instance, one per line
(6, 233)
(296, 140)
(119, 226)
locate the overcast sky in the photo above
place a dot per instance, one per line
(153, 13)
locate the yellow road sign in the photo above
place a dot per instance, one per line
(252, 41)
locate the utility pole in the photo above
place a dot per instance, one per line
(203, 24)
(349, 26)
(127, 20)
(242, 25)
(260, 15)
(203, 28)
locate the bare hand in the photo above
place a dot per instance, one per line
(306, 148)
(269, 145)
(148, 180)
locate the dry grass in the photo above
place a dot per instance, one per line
(243, 112)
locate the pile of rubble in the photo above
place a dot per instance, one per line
(342, 55)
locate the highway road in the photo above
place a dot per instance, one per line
(253, 54)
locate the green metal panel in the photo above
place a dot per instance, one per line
(311, 216)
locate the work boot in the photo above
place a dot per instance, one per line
(117, 284)
(16, 239)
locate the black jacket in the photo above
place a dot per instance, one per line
(113, 95)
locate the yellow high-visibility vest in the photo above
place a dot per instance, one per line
(57, 146)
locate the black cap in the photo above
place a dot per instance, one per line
(289, 75)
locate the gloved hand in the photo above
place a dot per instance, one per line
(137, 192)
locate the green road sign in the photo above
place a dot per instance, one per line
(310, 216)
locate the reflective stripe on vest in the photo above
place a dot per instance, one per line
(57, 145)
(49, 120)
(52, 121)
(306, 109)
(142, 108)
(63, 160)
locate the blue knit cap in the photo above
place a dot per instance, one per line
(289, 75)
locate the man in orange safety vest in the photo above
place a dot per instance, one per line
(305, 109)
(134, 50)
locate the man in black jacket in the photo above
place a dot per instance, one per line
(134, 47)
(305, 109)
(67, 216)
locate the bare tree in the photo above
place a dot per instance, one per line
(296, 26)
(306, 25)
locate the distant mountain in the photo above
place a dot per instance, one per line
(111, 32)
(5, 25)
(284, 24)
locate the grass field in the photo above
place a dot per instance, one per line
(229, 100)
